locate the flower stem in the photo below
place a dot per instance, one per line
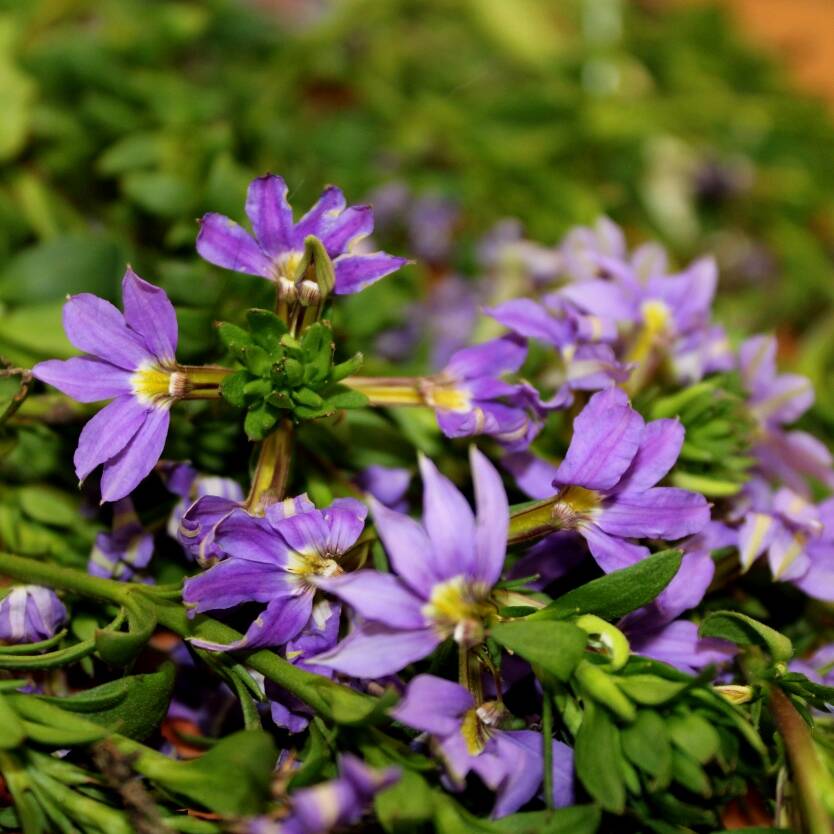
(272, 471)
(532, 521)
(404, 390)
(547, 741)
(811, 779)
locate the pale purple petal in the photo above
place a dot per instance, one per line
(124, 472)
(224, 243)
(408, 547)
(609, 552)
(107, 433)
(531, 320)
(754, 537)
(660, 446)
(84, 378)
(433, 705)
(331, 203)
(533, 475)
(282, 620)
(355, 272)
(818, 580)
(97, 327)
(372, 650)
(757, 361)
(270, 214)
(679, 645)
(658, 513)
(345, 519)
(386, 483)
(339, 233)
(489, 359)
(785, 400)
(149, 312)
(492, 520)
(522, 755)
(235, 581)
(606, 437)
(280, 510)
(379, 597)
(449, 521)
(247, 537)
(601, 298)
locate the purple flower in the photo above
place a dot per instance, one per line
(819, 667)
(606, 483)
(469, 398)
(129, 358)
(197, 534)
(505, 251)
(776, 400)
(797, 536)
(30, 613)
(276, 251)
(276, 560)
(387, 484)
(128, 548)
(446, 569)
(470, 739)
(679, 644)
(329, 805)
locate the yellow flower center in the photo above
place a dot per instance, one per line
(154, 385)
(312, 563)
(478, 724)
(458, 607)
(575, 505)
(448, 398)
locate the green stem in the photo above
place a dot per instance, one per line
(272, 471)
(532, 521)
(547, 740)
(811, 779)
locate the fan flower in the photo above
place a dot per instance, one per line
(276, 250)
(329, 805)
(776, 400)
(470, 739)
(30, 613)
(606, 482)
(276, 560)
(129, 359)
(128, 548)
(446, 569)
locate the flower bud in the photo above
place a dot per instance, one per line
(30, 613)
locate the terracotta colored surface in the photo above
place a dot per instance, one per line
(800, 31)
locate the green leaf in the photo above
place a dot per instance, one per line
(294, 371)
(235, 338)
(160, 193)
(347, 368)
(596, 758)
(49, 505)
(119, 648)
(267, 329)
(232, 388)
(257, 360)
(555, 646)
(406, 804)
(695, 736)
(578, 819)
(12, 732)
(133, 706)
(744, 631)
(317, 348)
(650, 689)
(260, 420)
(344, 397)
(618, 593)
(646, 744)
(688, 772)
(308, 397)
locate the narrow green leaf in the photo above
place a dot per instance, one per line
(743, 631)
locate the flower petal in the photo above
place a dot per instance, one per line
(754, 537)
(331, 203)
(235, 581)
(149, 311)
(379, 597)
(372, 650)
(247, 537)
(433, 705)
(658, 513)
(449, 521)
(107, 433)
(84, 378)
(270, 214)
(533, 475)
(123, 472)
(340, 232)
(606, 437)
(492, 521)
(355, 272)
(660, 445)
(523, 761)
(97, 327)
(408, 547)
(488, 359)
(224, 243)
(611, 553)
(531, 320)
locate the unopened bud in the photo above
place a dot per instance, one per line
(309, 293)
(287, 290)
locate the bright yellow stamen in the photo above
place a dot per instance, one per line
(312, 564)
(474, 733)
(459, 607)
(152, 384)
(448, 398)
(761, 525)
(576, 504)
(656, 318)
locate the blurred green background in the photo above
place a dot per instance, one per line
(125, 120)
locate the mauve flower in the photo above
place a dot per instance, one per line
(276, 250)
(276, 560)
(819, 667)
(29, 614)
(445, 567)
(470, 739)
(388, 484)
(128, 548)
(606, 483)
(470, 398)
(797, 536)
(130, 359)
(329, 805)
(197, 534)
(776, 400)
(506, 253)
